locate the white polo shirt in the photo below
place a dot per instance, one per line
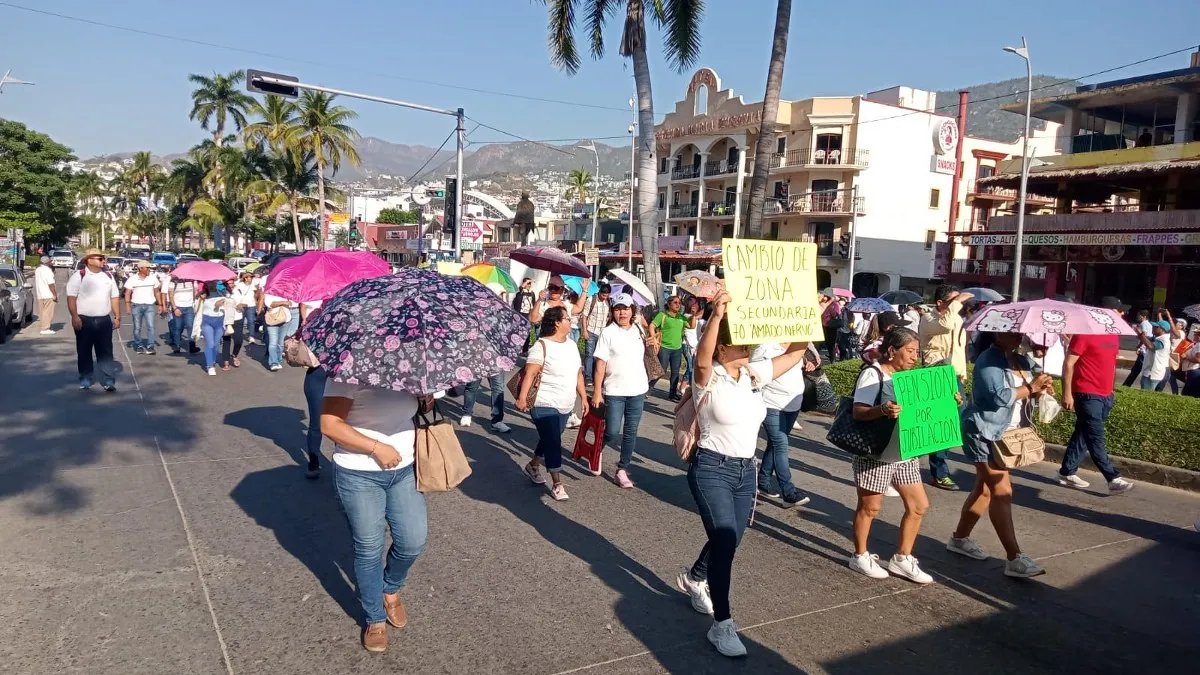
(143, 289)
(730, 417)
(44, 278)
(786, 392)
(624, 354)
(93, 292)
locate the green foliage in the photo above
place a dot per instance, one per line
(213, 254)
(396, 217)
(1146, 425)
(35, 193)
(341, 238)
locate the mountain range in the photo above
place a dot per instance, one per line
(380, 157)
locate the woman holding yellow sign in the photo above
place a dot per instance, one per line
(729, 410)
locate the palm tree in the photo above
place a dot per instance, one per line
(322, 129)
(680, 22)
(579, 185)
(278, 116)
(147, 177)
(770, 112)
(288, 185)
(89, 196)
(216, 100)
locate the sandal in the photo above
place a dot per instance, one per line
(225, 367)
(236, 363)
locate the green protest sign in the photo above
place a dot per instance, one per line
(929, 418)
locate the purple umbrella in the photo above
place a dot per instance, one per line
(416, 331)
(318, 275)
(553, 260)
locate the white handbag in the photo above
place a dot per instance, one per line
(199, 318)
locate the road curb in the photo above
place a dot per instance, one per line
(1137, 470)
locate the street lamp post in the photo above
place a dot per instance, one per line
(632, 179)
(9, 79)
(595, 197)
(1023, 52)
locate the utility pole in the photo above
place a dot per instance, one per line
(1026, 161)
(633, 137)
(853, 232)
(461, 134)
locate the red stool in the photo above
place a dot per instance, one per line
(590, 449)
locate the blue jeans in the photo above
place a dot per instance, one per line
(374, 502)
(314, 394)
(1151, 384)
(143, 323)
(1191, 383)
(775, 467)
(211, 329)
(550, 424)
(723, 488)
(250, 314)
(275, 336)
(624, 414)
(589, 359)
(496, 385)
(671, 360)
(1088, 438)
(181, 325)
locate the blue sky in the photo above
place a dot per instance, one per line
(101, 90)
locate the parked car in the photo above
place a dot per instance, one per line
(237, 264)
(116, 265)
(6, 310)
(270, 260)
(188, 257)
(62, 258)
(161, 258)
(21, 296)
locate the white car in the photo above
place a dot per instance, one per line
(62, 258)
(236, 264)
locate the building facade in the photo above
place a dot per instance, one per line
(883, 164)
(1118, 214)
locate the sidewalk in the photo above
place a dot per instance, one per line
(167, 528)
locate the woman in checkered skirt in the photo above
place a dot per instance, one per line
(873, 399)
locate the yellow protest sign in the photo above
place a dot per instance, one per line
(449, 269)
(773, 291)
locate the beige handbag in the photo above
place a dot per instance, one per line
(440, 461)
(277, 316)
(1018, 448)
(296, 353)
(514, 382)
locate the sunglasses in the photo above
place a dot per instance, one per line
(552, 287)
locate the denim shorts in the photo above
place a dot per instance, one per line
(976, 448)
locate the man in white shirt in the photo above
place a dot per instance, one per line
(47, 294)
(142, 297)
(180, 298)
(95, 305)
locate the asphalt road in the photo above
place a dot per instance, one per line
(168, 528)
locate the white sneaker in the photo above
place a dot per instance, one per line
(501, 428)
(48, 332)
(868, 564)
(891, 492)
(906, 566)
(212, 371)
(724, 637)
(697, 590)
(1022, 567)
(573, 421)
(797, 427)
(276, 367)
(464, 421)
(966, 546)
(1118, 486)
(1073, 481)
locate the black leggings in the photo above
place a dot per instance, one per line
(236, 339)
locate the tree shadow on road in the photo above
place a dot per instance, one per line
(282, 425)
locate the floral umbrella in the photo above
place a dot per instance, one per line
(1048, 316)
(869, 306)
(416, 331)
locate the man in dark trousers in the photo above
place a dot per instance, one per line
(93, 299)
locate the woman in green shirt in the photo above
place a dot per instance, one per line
(668, 328)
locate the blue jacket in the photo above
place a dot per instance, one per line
(992, 398)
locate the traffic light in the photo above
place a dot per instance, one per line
(844, 246)
(451, 223)
(353, 238)
(256, 82)
(437, 193)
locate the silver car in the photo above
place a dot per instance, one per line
(21, 293)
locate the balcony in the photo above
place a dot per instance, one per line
(825, 203)
(685, 173)
(684, 210)
(720, 209)
(999, 194)
(821, 159)
(721, 168)
(995, 268)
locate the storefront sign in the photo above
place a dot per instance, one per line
(591, 256)
(470, 232)
(929, 419)
(396, 234)
(1090, 239)
(773, 291)
(945, 137)
(739, 121)
(943, 164)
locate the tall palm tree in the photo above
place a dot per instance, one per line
(579, 185)
(767, 129)
(217, 100)
(289, 185)
(147, 177)
(277, 117)
(322, 129)
(680, 23)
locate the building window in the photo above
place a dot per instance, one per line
(701, 101)
(662, 200)
(662, 164)
(781, 145)
(675, 199)
(829, 149)
(824, 238)
(930, 238)
(774, 232)
(979, 219)
(935, 198)
(985, 170)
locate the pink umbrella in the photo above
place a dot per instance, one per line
(318, 275)
(1048, 316)
(553, 260)
(203, 270)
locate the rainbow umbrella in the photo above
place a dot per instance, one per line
(490, 274)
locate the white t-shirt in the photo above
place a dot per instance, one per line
(44, 279)
(268, 299)
(243, 294)
(623, 353)
(209, 306)
(1186, 365)
(1160, 358)
(785, 392)
(143, 289)
(93, 292)
(691, 336)
(380, 414)
(183, 293)
(560, 373)
(730, 417)
(867, 388)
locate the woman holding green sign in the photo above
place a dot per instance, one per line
(874, 399)
(1001, 390)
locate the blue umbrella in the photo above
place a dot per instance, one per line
(869, 306)
(576, 284)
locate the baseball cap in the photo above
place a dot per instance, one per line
(1113, 302)
(622, 300)
(144, 263)
(1161, 324)
(889, 320)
